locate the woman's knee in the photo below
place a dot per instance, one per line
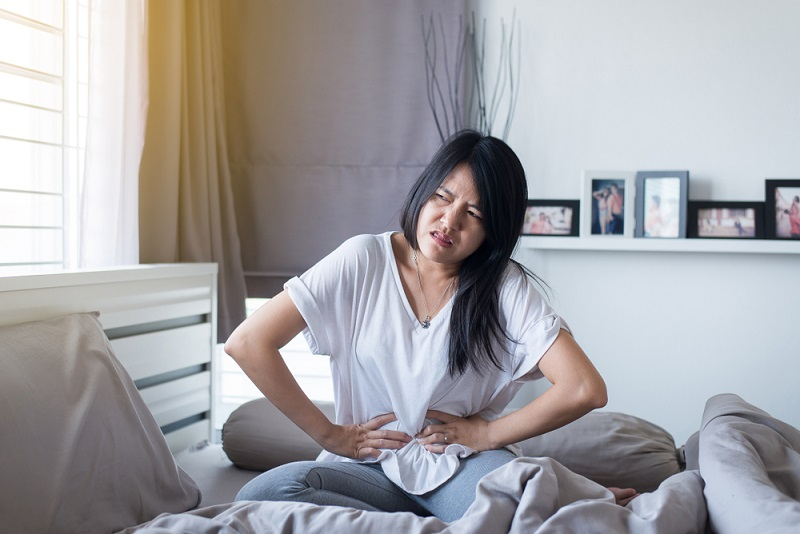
(287, 482)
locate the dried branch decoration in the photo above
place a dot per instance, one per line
(451, 111)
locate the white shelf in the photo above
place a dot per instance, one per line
(628, 244)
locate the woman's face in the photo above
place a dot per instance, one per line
(450, 225)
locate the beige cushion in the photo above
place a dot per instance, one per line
(80, 450)
(613, 449)
(258, 436)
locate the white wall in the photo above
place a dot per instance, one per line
(712, 87)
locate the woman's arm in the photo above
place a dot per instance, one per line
(577, 389)
(255, 345)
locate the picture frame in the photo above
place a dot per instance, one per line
(782, 209)
(607, 201)
(725, 220)
(662, 202)
(544, 217)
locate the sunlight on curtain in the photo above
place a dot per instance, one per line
(186, 201)
(117, 108)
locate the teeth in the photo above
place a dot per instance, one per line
(439, 236)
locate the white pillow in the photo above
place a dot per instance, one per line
(80, 450)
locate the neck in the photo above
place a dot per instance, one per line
(435, 273)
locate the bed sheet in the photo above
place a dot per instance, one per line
(748, 481)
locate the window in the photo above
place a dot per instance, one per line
(43, 103)
(235, 388)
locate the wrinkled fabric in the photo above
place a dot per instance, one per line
(751, 464)
(527, 495)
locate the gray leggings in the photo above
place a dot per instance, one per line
(365, 487)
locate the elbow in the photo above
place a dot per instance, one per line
(594, 395)
(236, 347)
(229, 348)
(599, 396)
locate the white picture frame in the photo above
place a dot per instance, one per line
(601, 194)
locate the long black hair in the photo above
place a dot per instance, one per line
(503, 189)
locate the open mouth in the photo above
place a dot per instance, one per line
(442, 239)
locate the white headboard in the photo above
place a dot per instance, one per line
(161, 320)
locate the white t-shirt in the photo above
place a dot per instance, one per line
(383, 360)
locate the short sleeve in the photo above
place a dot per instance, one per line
(315, 332)
(532, 324)
(326, 294)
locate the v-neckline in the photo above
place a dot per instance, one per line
(404, 296)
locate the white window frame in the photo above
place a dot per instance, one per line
(311, 371)
(25, 240)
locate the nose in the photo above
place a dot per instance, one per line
(452, 217)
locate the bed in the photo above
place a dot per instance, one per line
(106, 401)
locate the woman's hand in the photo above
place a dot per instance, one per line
(472, 432)
(623, 496)
(365, 440)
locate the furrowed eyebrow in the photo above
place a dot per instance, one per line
(445, 190)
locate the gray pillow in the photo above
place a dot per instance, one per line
(613, 449)
(80, 450)
(258, 436)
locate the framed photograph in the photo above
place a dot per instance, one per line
(782, 212)
(551, 217)
(726, 220)
(607, 204)
(662, 201)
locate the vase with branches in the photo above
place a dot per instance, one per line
(456, 85)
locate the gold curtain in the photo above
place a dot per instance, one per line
(186, 208)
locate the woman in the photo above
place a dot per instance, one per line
(794, 217)
(603, 218)
(430, 332)
(616, 221)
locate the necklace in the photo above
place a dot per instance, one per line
(427, 321)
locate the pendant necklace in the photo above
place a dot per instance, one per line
(427, 322)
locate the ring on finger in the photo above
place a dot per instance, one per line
(445, 437)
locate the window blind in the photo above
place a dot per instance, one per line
(43, 101)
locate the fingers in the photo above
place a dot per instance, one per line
(444, 417)
(436, 441)
(370, 438)
(379, 421)
(623, 496)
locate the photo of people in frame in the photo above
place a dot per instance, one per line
(787, 212)
(726, 223)
(662, 207)
(608, 206)
(548, 220)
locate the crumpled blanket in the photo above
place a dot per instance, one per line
(748, 481)
(526, 495)
(750, 462)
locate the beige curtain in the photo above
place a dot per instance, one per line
(186, 208)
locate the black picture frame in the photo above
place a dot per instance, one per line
(781, 217)
(725, 220)
(552, 218)
(662, 203)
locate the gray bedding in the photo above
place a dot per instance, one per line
(751, 465)
(748, 481)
